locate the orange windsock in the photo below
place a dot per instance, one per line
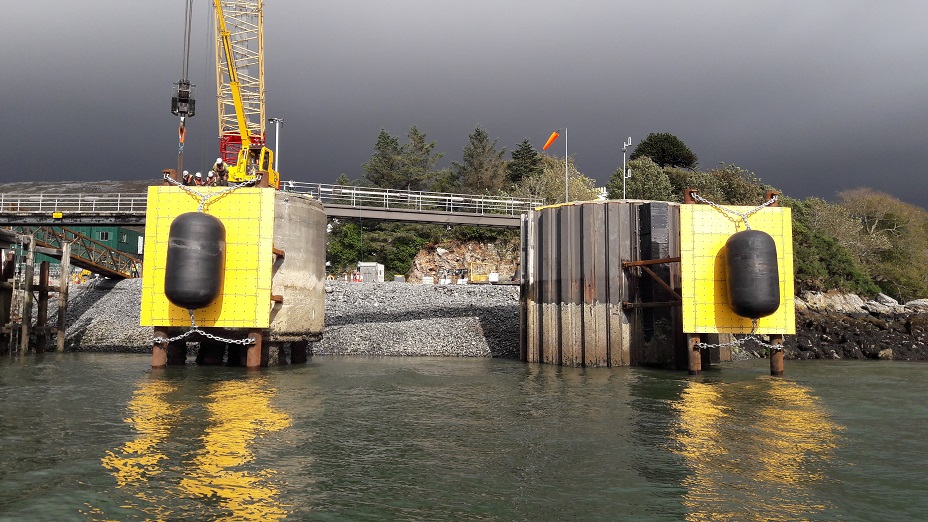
(548, 143)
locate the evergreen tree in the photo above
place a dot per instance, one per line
(418, 161)
(384, 168)
(525, 162)
(482, 169)
(666, 150)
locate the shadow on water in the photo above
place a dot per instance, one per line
(194, 450)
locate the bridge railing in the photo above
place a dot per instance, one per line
(412, 200)
(120, 203)
(423, 201)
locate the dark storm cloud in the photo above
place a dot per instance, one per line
(814, 97)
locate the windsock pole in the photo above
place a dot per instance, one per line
(554, 136)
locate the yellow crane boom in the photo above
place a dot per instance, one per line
(252, 159)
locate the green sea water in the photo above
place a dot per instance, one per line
(104, 437)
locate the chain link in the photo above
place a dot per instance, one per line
(738, 342)
(204, 198)
(743, 216)
(195, 329)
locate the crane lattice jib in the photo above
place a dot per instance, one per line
(244, 21)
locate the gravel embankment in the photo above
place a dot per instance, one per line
(361, 319)
(409, 319)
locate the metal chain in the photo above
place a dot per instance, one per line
(195, 329)
(743, 216)
(738, 342)
(204, 198)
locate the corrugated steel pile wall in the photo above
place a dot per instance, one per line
(574, 285)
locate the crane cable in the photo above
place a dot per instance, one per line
(185, 69)
(188, 21)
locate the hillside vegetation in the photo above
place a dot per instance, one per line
(866, 242)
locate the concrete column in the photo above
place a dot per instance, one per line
(298, 352)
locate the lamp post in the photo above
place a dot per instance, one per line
(625, 173)
(277, 123)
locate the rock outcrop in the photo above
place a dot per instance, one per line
(844, 326)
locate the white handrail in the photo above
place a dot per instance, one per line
(135, 203)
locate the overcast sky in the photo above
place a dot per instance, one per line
(813, 96)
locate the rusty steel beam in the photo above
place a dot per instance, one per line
(626, 264)
(627, 305)
(661, 282)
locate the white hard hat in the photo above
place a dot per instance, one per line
(186, 173)
(210, 174)
(199, 175)
(218, 160)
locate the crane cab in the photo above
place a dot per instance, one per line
(250, 162)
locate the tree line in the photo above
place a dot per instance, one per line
(866, 242)
(412, 164)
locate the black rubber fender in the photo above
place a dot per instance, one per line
(195, 260)
(753, 276)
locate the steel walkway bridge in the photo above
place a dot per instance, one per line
(85, 252)
(340, 201)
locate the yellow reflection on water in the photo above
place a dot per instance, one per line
(753, 450)
(152, 416)
(240, 411)
(155, 469)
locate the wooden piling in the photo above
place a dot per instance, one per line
(28, 273)
(695, 357)
(63, 282)
(776, 355)
(41, 322)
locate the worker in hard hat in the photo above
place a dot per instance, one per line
(186, 178)
(222, 172)
(210, 179)
(198, 179)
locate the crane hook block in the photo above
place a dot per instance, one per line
(193, 272)
(753, 278)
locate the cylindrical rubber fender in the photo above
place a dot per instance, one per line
(194, 269)
(753, 277)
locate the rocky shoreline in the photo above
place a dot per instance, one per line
(483, 321)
